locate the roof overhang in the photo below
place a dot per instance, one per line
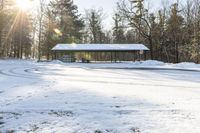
(100, 47)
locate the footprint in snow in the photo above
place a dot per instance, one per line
(135, 130)
(20, 99)
(29, 96)
(115, 106)
(114, 97)
(1, 123)
(62, 93)
(61, 113)
(10, 131)
(8, 104)
(106, 131)
(98, 131)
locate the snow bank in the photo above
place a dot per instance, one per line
(16, 61)
(148, 63)
(152, 63)
(129, 65)
(121, 65)
(57, 62)
(187, 65)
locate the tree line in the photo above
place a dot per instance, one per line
(172, 32)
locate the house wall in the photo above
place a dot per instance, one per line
(111, 56)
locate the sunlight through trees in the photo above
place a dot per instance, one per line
(30, 28)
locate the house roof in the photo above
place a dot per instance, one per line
(99, 47)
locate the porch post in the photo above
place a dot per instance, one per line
(115, 57)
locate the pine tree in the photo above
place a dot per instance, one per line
(50, 37)
(68, 20)
(195, 50)
(174, 25)
(2, 22)
(15, 30)
(94, 26)
(118, 32)
(21, 36)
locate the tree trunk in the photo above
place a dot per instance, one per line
(151, 48)
(177, 53)
(39, 39)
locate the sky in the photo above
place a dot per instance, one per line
(109, 7)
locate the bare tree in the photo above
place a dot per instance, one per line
(138, 18)
(1, 5)
(41, 13)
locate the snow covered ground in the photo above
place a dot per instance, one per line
(96, 98)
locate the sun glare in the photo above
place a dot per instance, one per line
(58, 32)
(23, 4)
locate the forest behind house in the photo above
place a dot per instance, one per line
(172, 33)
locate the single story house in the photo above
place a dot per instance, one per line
(102, 52)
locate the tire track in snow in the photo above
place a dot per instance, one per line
(108, 82)
(126, 83)
(2, 72)
(11, 73)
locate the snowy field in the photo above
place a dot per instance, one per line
(96, 98)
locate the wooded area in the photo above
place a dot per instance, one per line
(172, 33)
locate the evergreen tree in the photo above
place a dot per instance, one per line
(15, 30)
(68, 20)
(174, 28)
(21, 36)
(50, 37)
(118, 32)
(131, 36)
(94, 26)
